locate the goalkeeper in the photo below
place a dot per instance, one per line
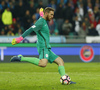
(43, 46)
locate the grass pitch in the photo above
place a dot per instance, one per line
(26, 76)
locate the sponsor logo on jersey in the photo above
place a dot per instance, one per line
(86, 53)
(33, 26)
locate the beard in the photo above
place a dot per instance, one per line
(47, 18)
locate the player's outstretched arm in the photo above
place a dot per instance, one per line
(19, 39)
(35, 28)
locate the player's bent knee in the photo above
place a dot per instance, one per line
(43, 62)
(59, 61)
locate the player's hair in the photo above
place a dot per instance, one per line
(48, 9)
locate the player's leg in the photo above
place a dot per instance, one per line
(41, 61)
(43, 55)
(56, 59)
(60, 64)
(33, 60)
(59, 61)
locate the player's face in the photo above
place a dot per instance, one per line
(50, 15)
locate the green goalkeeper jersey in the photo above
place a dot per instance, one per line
(42, 31)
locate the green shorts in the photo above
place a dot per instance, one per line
(47, 54)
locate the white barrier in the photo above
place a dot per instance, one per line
(33, 39)
(93, 39)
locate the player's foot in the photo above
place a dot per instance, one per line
(71, 82)
(16, 58)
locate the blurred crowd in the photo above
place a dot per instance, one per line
(72, 17)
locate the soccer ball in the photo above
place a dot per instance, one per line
(65, 79)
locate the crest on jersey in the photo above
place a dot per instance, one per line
(46, 55)
(86, 53)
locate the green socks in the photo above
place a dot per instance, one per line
(61, 70)
(35, 61)
(32, 60)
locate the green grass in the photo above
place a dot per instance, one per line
(26, 76)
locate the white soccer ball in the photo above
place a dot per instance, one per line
(65, 79)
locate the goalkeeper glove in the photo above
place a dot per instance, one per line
(17, 40)
(41, 12)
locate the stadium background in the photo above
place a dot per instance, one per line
(76, 24)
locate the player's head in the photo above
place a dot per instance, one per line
(48, 13)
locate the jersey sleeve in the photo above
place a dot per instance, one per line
(36, 27)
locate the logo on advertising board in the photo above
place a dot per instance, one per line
(86, 53)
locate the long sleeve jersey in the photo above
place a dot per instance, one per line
(42, 31)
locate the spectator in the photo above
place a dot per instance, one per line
(81, 10)
(89, 6)
(56, 32)
(68, 12)
(20, 27)
(98, 28)
(1, 23)
(83, 30)
(88, 1)
(79, 2)
(19, 11)
(52, 4)
(27, 19)
(84, 2)
(76, 25)
(93, 21)
(14, 25)
(19, 33)
(89, 14)
(2, 6)
(6, 30)
(10, 28)
(75, 3)
(63, 2)
(13, 2)
(97, 3)
(2, 32)
(59, 17)
(92, 31)
(37, 13)
(86, 21)
(77, 13)
(72, 4)
(31, 1)
(7, 17)
(31, 9)
(40, 4)
(52, 26)
(11, 6)
(96, 13)
(10, 33)
(66, 27)
(45, 3)
(33, 19)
